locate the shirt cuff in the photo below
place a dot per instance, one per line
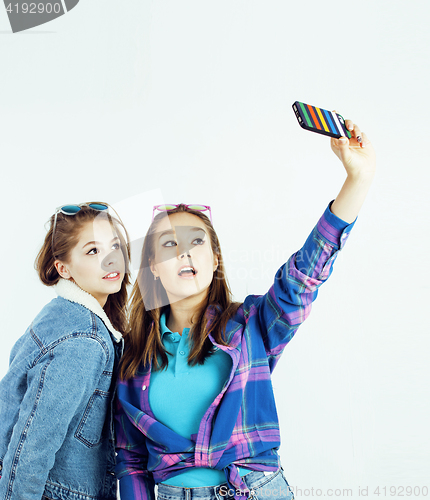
(333, 229)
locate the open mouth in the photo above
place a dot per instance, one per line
(111, 276)
(187, 271)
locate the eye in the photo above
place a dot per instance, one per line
(198, 241)
(93, 251)
(170, 243)
(116, 246)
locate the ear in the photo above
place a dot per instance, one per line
(153, 269)
(216, 262)
(62, 269)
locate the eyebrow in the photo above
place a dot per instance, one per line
(171, 231)
(98, 242)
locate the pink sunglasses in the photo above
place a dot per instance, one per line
(167, 208)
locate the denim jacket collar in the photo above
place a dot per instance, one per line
(71, 291)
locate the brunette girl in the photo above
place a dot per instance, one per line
(56, 428)
(195, 409)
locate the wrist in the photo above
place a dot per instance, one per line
(351, 197)
(361, 179)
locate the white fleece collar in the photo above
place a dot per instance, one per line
(71, 291)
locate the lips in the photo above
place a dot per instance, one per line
(113, 276)
(187, 272)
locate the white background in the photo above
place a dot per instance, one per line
(145, 102)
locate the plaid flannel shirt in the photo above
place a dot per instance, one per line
(240, 427)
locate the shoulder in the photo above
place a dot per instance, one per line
(62, 319)
(247, 308)
(63, 331)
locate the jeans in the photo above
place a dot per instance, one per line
(272, 486)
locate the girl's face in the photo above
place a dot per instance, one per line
(184, 260)
(96, 263)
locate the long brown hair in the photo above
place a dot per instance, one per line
(67, 230)
(148, 302)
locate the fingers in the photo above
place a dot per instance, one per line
(355, 132)
(340, 142)
(357, 137)
(341, 148)
(365, 140)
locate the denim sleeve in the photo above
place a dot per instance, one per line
(59, 384)
(135, 482)
(288, 302)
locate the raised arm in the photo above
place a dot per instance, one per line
(358, 158)
(288, 303)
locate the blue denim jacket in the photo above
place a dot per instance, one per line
(56, 429)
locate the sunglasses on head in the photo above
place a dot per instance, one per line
(167, 208)
(74, 209)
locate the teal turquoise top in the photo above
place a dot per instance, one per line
(180, 395)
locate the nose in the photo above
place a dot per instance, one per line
(110, 259)
(183, 251)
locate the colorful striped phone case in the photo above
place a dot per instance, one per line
(320, 120)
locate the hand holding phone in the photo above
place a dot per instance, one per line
(320, 120)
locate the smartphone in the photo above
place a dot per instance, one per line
(320, 120)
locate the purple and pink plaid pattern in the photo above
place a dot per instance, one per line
(240, 428)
